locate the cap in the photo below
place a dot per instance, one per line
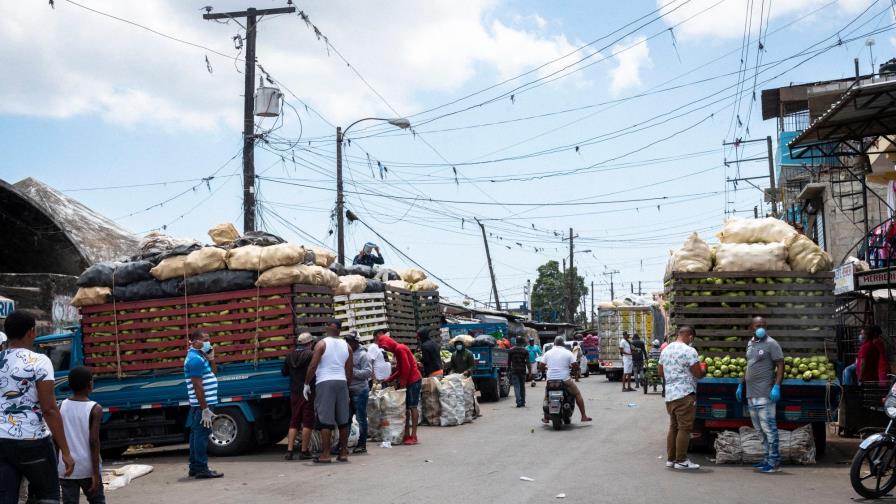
(656, 342)
(305, 338)
(353, 336)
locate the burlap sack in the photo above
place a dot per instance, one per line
(223, 234)
(425, 285)
(205, 260)
(172, 267)
(90, 296)
(694, 256)
(752, 257)
(767, 230)
(284, 254)
(299, 274)
(412, 275)
(804, 255)
(244, 258)
(322, 256)
(429, 398)
(401, 284)
(351, 284)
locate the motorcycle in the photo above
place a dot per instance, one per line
(559, 403)
(873, 470)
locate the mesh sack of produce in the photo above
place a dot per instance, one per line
(131, 272)
(155, 240)
(466, 339)
(386, 274)
(693, 257)
(138, 291)
(351, 284)
(322, 256)
(259, 238)
(412, 275)
(171, 267)
(398, 284)
(360, 269)
(728, 449)
(451, 400)
(205, 260)
(752, 257)
(796, 446)
(804, 255)
(425, 285)
(98, 275)
(90, 296)
(374, 286)
(751, 444)
(223, 234)
(484, 340)
(244, 258)
(767, 230)
(324, 277)
(469, 400)
(283, 254)
(429, 398)
(220, 281)
(393, 415)
(374, 414)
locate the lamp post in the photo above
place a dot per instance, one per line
(399, 122)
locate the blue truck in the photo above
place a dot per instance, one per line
(491, 364)
(152, 409)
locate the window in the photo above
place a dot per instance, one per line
(59, 352)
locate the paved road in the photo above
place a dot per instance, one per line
(617, 458)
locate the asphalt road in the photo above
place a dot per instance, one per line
(617, 458)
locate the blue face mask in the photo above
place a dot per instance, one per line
(206, 346)
(760, 333)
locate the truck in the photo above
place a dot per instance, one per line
(798, 309)
(137, 362)
(613, 321)
(491, 371)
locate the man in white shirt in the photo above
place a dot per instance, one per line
(625, 350)
(381, 368)
(558, 361)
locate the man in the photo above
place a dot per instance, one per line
(430, 353)
(681, 369)
(625, 350)
(639, 350)
(519, 368)
(366, 258)
(296, 367)
(558, 361)
(534, 352)
(330, 371)
(381, 367)
(871, 363)
(655, 351)
(407, 376)
(762, 381)
(462, 361)
(359, 390)
(31, 421)
(202, 391)
(577, 356)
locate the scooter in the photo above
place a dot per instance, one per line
(559, 403)
(873, 470)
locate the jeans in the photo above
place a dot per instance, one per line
(849, 375)
(762, 412)
(198, 441)
(71, 491)
(359, 411)
(519, 388)
(681, 421)
(36, 461)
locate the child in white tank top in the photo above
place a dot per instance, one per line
(81, 419)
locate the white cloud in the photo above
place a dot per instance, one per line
(726, 20)
(72, 62)
(631, 58)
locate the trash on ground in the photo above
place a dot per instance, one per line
(122, 476)
(526, 478)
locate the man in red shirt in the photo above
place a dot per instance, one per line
(871, 364)
(407, 376)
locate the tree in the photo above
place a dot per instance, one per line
(550, 294)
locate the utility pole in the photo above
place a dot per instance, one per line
(491, 270)
(571, 299)
(592, 303)
(340, 202)
(251, 14)
(612, 291)
(771, 195)
(639, 288)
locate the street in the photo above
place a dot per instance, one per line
(617, 458)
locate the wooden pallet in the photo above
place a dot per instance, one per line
(313, 308)
(427, 313)
(798, 309)
(365, 313)
(397, 310)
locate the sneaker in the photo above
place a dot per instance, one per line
(769, 469)
(305, 455)
(409, 440)
(670, 463)
(290, 455)
(209, 474)
(686, 465)
(760, 465)
(359, 450)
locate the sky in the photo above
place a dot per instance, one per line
(532, 117)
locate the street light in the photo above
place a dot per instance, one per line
(398, 122)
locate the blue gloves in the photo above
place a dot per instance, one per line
(775, 395)
(740, 392)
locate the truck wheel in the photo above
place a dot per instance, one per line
(505, 386)
(820, 433)
(231, 433)
(489, 389)
(115, 453)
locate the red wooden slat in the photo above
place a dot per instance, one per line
(189, 299)
(179, 312)
(261, 324)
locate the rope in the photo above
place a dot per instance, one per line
(257, 303)
(118, 370)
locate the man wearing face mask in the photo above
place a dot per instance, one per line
(762, 384)
(202, 390)
(461, 361)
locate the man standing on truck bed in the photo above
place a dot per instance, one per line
(330, 371)
(202, 389)
(765, 372)
(680, 368)
(407, 376)
(296, 367)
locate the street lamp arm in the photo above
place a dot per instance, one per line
(400, 122)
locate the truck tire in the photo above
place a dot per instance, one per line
(820, 433)
(489, 389)
(231, 433)
(505, 385)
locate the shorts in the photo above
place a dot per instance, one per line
(331, 403)
(302, 411)
(627, 365)
(412, 394)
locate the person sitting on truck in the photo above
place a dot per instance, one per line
(762, 381)
(31, 417)
(330, 371)
(202, 391)
(680, 368)
(359, 390)
(407, 376)
(625, 351)
(296, 367)
(430, 353)
(462, 361)
(366, 257)
(558, 361)
(81, 418)
(534, 353)
(871, 363)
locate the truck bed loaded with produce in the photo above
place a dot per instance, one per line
(617, 317)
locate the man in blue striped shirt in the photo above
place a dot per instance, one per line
(202, 389)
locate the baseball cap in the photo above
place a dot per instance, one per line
(305, 338)
(353, 336)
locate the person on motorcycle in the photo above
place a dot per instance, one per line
(558, 361)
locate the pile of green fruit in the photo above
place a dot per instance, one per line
(817, 367)
(724, 367)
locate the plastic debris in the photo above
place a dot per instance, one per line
(386, 444)
(561, 496)
(526, 478)
(632, 405)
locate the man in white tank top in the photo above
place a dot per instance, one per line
(81, 418)
(331, 372)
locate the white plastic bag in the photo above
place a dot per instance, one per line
(451, 399)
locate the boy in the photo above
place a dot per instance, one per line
(81, 418)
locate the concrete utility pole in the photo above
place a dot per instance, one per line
(491, 269)
(612, 291)
(340, 201)
(592, 302)
(571, 301)
(251, 14)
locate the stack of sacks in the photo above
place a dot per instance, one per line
(694, 257)
(415, 280)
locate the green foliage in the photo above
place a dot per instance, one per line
(550, 294)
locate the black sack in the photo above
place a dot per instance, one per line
(98, 275)
(360, 269)
(139, 291)
(173, 287)
(484, 340)
(131, 272)
(178, 250)
(259, 238)
(336, 267)
(375, 286)
(220, 281)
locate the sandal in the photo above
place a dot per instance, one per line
(342, 458)
(317, 460)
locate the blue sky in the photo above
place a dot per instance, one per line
(95, 102)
